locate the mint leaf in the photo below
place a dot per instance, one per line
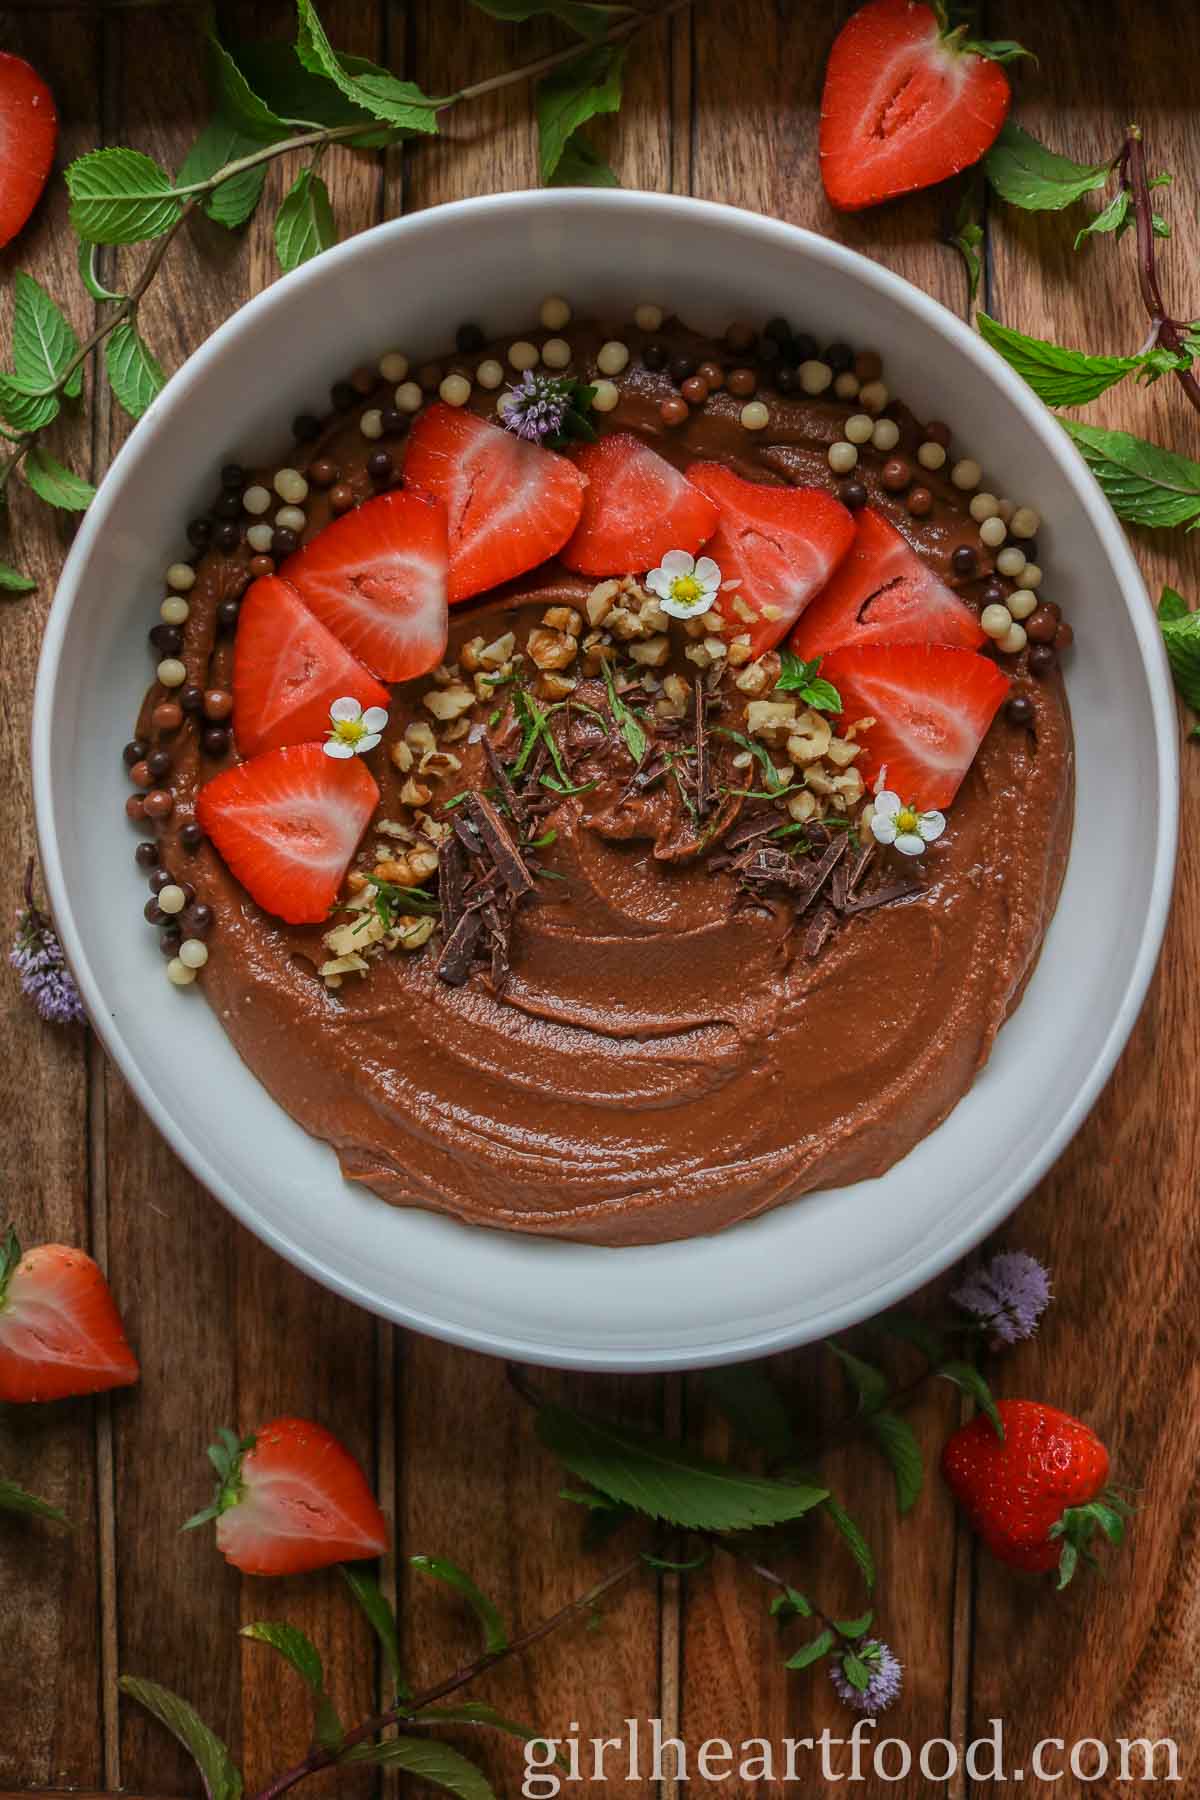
(120, 197)
(134, 372)
(59, 486)
(1181, 637)
(43, 343)
(800, 677)
(1115, 217)
(968, 1380)
(855, 1628)
(23, 406)
(1143, 483)
(967, 241)
(16, 1499)
(305, 1658)
(495, 1637)
(219, 144)
(859, 1548)
(870, 1383)
(399, 103)
(382, 1620)
(87, 274)
(588, 85)
(477, 1712)
(1058, 376)
(752, 1403)
(305, 99)
(220, 1775)
(1026, 174)
(895, 1438)
(12, 581)
(856, 1671)
(658, 1478)
(435, 1763)
(1171, 605)
(588, 19)
(998, 50)
(811, 1653)
(304, 224)
(582, 166)
(236, 101)
(790, 1604)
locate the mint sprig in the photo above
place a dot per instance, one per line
(802, 678)
(1027, 174)
(1144, 484)
(1181, 638)
(1063, 377)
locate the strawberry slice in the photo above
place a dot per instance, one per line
(884, 594)
(60, 1332)
(510, 504)
(28, 137)
(288, 823)
(905, 105)
(780, 544)
(288, 669)
(932, 707)
(291, 1498)
(377, 578)
(637, 506)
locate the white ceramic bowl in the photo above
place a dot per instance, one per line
(805, 1269)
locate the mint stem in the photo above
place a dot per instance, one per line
(1133, 174)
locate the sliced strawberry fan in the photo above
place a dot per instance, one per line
(637, 507)
(288, 669)
(60, 1331)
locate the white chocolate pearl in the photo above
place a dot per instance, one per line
(1013, 641)
(966, 474)
(174, 610)
(612, 357)
(523, 355)
(858, 428)
(555, 312)
(181, 576)
(1022, 603)
(291, 518)
(291, 486)
(193, 954)
(984, 506)
(1010, 561)
(455, 390)
(490, 373)
(393, 366)
(1030, 576)
(846, 385)
(172, 898)
(931, 455)
(873, 396)
(504, 401)
(755, 416)
(647, 318)
(556, 353)
(842, 457)
(885, 434)
(371, 423)
(408, 397)
(256, 499)
(259, 538)
(171, 672)
(1025, 522)
(178, 973)
(815, 377)
(996, 620)
(993, 532)
(1006, 509)
(605, 395)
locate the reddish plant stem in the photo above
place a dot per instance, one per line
(1165, 329)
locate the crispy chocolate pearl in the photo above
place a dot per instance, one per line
(146, 855)
(994, 594)
(140, 774)
(227, 537)
(159, 764)
(803, 348)
(160, 879)
(306, 427)
(363, 379)
(188, 891)
(341, 498)
(190, 835)
(839, 357)
(654, 357)
(215, 741)
(895, 475)
(379, 466)
(191, 698)
(938, 432)
(227, 618)
(392, 422)
(1019, 711)
(159, 803)
(259, 565)
(322, 473)
(1064, 637)
(197, 919)
(469, 338)
(170, 940)
(167, 639)
(919, 502)
(868, 365)
(1041, 659)
(778, 330)
(673, 411)
(233, 476)
(1041, 627)
(854, 495)
(741, 382)
(199, 532)
(695, 390)
(342, 395)
(167, 716)
(153, 913)
(218, 703)
(712, 373)
(786, 379)
(133, 752)
(135, 807)
(283, 542)
(768, 350)
(228, 506)
(741, 336)
(963, 561)
(682, 368)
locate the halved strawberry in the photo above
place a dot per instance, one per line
(883, 593)
(288, 823)
(28, 136)
(904, 104)
(288, 669)
(932, 707)
(780, 545)
(637, 507)
(291, 1498)
(377, 578)
(510, 504)
(60, 1331)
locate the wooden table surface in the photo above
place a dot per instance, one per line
(723, 104)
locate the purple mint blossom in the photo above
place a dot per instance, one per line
(1009, 1294)
(887, 1677)
(37, 957)
(537, 406)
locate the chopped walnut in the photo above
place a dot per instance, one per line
(415, 793)
(496, 654)
(434, 829)
(819, 780)
(848, 789)
(396, 869)
(601, 600)
(597, 652)
(419, 733)
(852, 731)
(653, 617)
(552, 649)
(563, 618)
(411, 931)
(841, 754)
(810, 738)
(552, 686)
(653, 653)
(447, 703)
(356, 881)
(759, 677)
(444, 674)
(803, 806)
(676, 697)
(456, 731)
(468, 656)
(358, 935)
(438, 763)
(423, 862)
(770, 718)
(393, 828)
(401, 755)
(623, 624)
(699, 654)
(739, 651)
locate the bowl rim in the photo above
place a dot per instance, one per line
(856, 267)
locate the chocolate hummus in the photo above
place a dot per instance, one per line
(671, 1045)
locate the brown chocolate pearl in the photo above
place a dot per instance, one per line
(938, 432)
(167, 716)
(741, 336)
(306, 427)
(682, 368)
(215, 741)
(262, 565)
(654, 356)
(146, 855)
(190, 835)
(228, 506)
(197, 920)
(895, 474)
(868, 365)
(227, 537)
(135, 808)
(227, 618)
(218, 703)
(159, 765)
(429, 377)
(342, 395)
(393, 422)
(854, 495)
(741, 383)
(1019, 711)
(341, 498)
(994, 594)
(191, 698)
(1041, 659)
(963, 562)
(140, 774)
(363, 380)
(283, 541)
(673, 411)
(170, 940)
(1064, 637)
(694, 390)
(919, 502)
(133, 752)
(153, 913)
(160, 879)
(322, 472)
(712, 373)
(379, 466)
(159, 803)
(1041, 627)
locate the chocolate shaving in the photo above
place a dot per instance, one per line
(452, 874)
(820, 931)
(819, 875)
(458, 952)
(504, 853)
(883, 896)
(757, 825)
(513, 801)
(468, 837)
(862, 862)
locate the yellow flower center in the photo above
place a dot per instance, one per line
(349, 731)
(907, 820)
(686, 590)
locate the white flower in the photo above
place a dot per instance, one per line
(686, 587)
(354, 731)
(909, 830)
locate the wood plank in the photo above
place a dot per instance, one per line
(1113, 1659)
(48, 1610)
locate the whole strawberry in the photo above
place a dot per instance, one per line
(1037, 1496)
